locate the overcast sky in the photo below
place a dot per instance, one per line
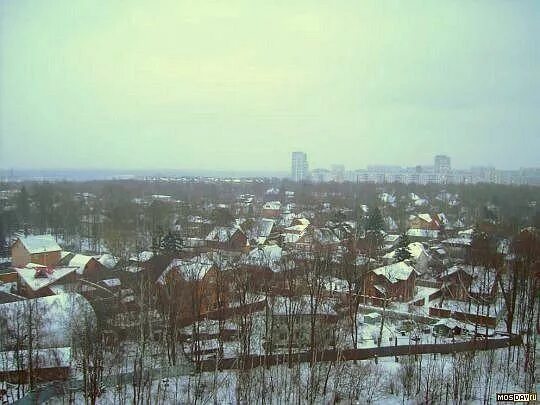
(238, 85)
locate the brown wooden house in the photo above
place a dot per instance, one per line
(227, 238)
(39, 249)
(271, 209)
(395, 282)
(35, 280)
(195, 286)
(88, 267)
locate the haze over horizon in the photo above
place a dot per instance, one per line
(183, 85)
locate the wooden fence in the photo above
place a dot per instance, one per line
(481, 320)
(10, 277)
(249, 362)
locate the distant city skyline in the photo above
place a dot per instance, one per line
(440, 172)
(284, 171)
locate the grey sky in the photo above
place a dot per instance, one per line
(238, 85)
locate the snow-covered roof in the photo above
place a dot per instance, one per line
(272, 205)
(79, 261)
(291, 237)
(443, 219)
(190, 270)
(391, 238)
(453, 270)
(336, 284)
(325, 236)
(196, 219)
(466, 232)
(463, 241)
(425, 217)
(17, 360)
(273, 191)
(210, 326)
(45, 275)
(261, 230)
(112, 282)
(265, 256)
(108, 260)
(423, 233)
(449, 323)
(395, 272)
(362, 260)
(380, 288)
(142, 257)
(417, 249)
(40, 243)
(387, 198)
(58, 318)
(301, 221)
(295, 228)
(222, 233)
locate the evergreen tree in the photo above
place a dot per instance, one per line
(4, 249)
(374, 232)
(375, 220)
(171, 244)
(402, 251)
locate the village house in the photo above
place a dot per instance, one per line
(60, 319)
(87, 266)
(420, 257)
(426, 221)
(35, 280)
(458, 247)
(422, 235)
(51, 364)
(465, 283)
(448, 327)
(230, 238)
(394, 282)
(455, 283)
(390, 242)
(39, 249)
(271, 209)
(258, 230)
(325, 239)
(194, 285)
(139, 262)
(198, 226)
(265, 264)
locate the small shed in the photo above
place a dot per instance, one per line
(372, 318)
(447, 328)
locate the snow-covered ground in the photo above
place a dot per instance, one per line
(473, 308)
(464, 378)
